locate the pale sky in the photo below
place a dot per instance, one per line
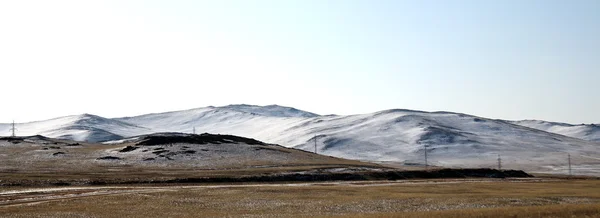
(512, 59)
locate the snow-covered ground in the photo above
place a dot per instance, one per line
(84, 127)
(590, 132)
(452, 139)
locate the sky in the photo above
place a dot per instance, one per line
(512, 59)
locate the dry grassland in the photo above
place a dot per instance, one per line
(426, 198)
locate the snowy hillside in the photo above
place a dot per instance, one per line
(270, 110)
(590, 132)
(394, 135)
(84, 127)
(452, 139)
(234, 119)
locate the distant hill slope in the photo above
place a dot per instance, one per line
(162, 151)
(590, 132)
(269, 110)
(84, 127)
(213, 151)
(452, 139)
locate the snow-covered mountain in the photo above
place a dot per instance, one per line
(84, 127)
(590, 132)
(243, 120)
(269, 110)
(452, 139)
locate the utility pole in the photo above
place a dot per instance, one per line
(569, 158)
(499, 162)
(315, 143)
(13, 129)
(425, 146)
(194, 130)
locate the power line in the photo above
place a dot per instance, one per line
(569, 160)
(499, 162)
(425, 146)
(315, 143)
(13, 129)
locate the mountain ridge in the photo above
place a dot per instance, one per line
(589, 132)
(454, 139)
(273, 110)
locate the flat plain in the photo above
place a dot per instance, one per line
(531, 197)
